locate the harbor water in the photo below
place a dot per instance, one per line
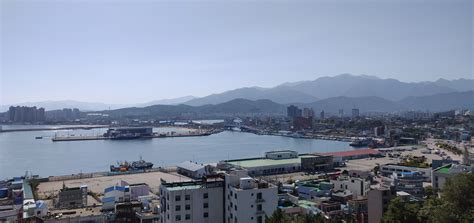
(21, 151)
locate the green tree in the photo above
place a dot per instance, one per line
(458, 192)
(401, 211)
(278, 217)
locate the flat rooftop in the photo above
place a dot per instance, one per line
(356, 152)
(257, 162)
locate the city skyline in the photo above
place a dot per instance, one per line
(158, 50)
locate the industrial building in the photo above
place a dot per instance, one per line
(194, 170)
(286, 161)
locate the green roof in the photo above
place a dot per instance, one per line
(444, 169)
(249, 163)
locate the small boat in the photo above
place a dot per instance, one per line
(38, 137)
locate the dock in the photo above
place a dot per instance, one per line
(84, 138)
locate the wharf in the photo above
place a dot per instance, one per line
(83, 138)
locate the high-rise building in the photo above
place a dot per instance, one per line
(322, 114)
(25, 114)
(341, 113)
(293, 111)
(247, 199)
(308, 112)
(355, 112)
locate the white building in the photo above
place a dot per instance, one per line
(113, 195)
(194, 170)
(388, 169)
(358, 186)
(194, 201)
(248, 200)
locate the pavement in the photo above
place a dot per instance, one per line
(98, 184)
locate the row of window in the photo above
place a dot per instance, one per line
(187, 216)
(187, 207)
(188, 197)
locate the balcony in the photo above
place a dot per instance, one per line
(260, 212)
(261, 200)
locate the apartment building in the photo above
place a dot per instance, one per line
(247, 199)
(193, 201)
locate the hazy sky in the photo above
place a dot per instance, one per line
(137, 51)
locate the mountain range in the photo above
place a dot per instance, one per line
(343, 91)
(341, 85)
(239, 107)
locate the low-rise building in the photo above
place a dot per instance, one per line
(388, 169)
(72, 197)
(441, 174)
(194, 170)
(114, 195)
(409, 182)
(278, 162)
(358, 186)
(310, 190)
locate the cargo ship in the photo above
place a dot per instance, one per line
(127, 166)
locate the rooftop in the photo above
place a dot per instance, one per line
(353, 152)
(454, 169)
(256, 162)
(188, 165)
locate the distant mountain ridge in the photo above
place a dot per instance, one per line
(239, 107)
(341, 85)
(325, 91)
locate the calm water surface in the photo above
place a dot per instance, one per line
(20, 151)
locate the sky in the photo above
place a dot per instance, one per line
(138, 51)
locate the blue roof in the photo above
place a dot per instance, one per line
(112, 188)
(108, 199)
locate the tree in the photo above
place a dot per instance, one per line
(278, 217)
(401, 211)
(458, 192)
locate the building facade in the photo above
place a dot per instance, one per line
(194, 201)
(248, 200)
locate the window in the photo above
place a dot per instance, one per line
(259, 207)
(235, 207)
(259, 195)
(177, 198)
(187, 217)
(178, 218)
(178, 208)
(259, 219)
(187, 207)
(251, 206)
(206, 214)
(206, 205)
(235, 195)
(206, 195)
(187, 197)
(251, 194)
